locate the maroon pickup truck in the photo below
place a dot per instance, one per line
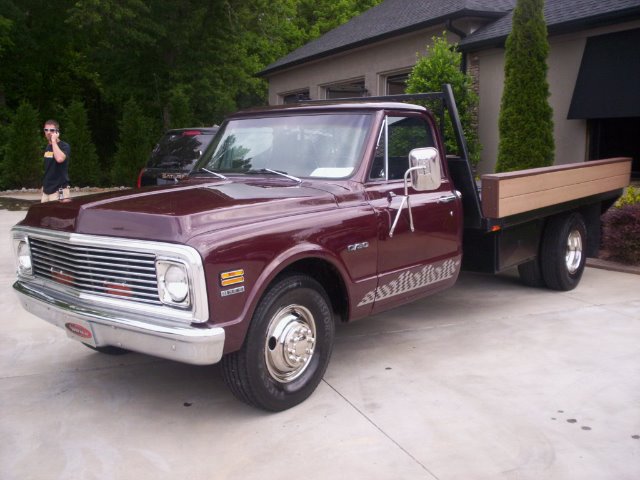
(296, 218)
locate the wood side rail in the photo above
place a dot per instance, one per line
(505, 194)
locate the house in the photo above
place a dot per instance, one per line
(594, 66)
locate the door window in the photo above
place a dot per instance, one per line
(398, 137)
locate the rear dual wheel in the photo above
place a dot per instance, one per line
(564, 252)
(562, 255)
(287, 348)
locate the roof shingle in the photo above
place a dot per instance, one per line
(560, 16)
(389, 18)
(395, 17)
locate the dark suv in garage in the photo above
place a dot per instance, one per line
(175, 155)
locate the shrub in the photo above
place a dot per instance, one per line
(621, 233)
(442, 65)
(525, 123)
(631, 196)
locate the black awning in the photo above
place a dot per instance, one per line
(608, 84)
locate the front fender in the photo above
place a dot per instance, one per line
(257, 254)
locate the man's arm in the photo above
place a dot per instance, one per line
(58, 154)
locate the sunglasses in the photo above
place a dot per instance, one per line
(52, 130)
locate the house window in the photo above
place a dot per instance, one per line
(346, 90)
(396, 84)
(295, 97)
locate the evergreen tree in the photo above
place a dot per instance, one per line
(526, 124)
(134, 147)
(22, 164)
(441, 65)
(180, 112)
(83, 166)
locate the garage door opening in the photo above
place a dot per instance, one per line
(616, 137)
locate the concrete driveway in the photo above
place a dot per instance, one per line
(490, 380)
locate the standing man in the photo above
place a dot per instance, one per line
(55, 183)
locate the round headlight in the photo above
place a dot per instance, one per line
(24, 259)
(176, 283)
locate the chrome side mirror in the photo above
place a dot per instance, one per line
(429, 174)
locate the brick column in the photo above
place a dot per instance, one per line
(473, 69)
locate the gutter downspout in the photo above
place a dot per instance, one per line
(453, 29)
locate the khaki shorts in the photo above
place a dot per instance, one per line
(66, 193)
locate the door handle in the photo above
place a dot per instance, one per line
(447, 198)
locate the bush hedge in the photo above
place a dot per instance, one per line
(621, 234)
(621, 229)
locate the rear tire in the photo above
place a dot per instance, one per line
(564, 248)
(287, 348)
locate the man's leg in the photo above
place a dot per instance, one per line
(49, 198)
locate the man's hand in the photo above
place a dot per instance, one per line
(54, 137)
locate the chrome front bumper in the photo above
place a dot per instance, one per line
(187, 344)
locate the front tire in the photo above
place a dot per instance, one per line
(287, 348)
(563, 251)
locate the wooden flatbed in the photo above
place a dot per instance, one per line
(512, 193)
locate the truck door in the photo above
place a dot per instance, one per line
(411, 263)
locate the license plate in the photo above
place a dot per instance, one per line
(81, 331)
(173, 176)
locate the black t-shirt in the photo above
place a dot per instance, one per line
(56, 175)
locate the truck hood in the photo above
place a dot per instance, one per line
(178, 213)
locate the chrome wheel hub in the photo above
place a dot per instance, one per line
(290, 343)
(573, 255)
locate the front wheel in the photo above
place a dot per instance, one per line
(564, 247)
(287, 348)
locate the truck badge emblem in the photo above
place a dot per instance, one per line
(357, 246)
(231, 291)
(78, 330)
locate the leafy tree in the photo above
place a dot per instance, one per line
(42, 63)
(441, 65)
(5, 30)
(22, 163)
(136, 140)
(316, 17)
(83, 165)
(184, 62)
(525, 124)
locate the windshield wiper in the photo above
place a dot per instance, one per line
(276, 172)
(219, 175)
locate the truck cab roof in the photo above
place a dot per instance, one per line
(329, 105)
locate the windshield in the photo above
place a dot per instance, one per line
(326, 145)
(179, 150)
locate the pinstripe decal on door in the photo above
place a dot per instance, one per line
(408, 281)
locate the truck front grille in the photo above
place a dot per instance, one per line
(121, 274)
